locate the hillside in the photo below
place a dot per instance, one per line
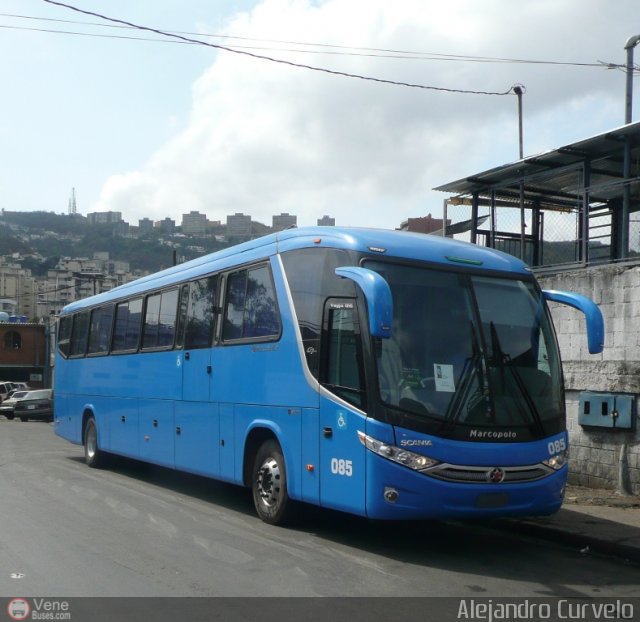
(57, 235)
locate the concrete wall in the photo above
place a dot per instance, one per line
(601, 458)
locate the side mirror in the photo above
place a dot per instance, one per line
(592, 314)
(378, 294)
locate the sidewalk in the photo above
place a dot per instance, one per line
(600, 521)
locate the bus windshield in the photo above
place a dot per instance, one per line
(469, 351)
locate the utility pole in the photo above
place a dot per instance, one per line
(519, 90)
(629, 46)
(626, 195)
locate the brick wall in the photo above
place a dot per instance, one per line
(601, 458)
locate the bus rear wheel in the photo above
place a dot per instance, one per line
(93, 455)
(269, 485)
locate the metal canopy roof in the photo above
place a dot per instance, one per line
(552, 176)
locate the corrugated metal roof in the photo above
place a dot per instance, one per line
(552, 174)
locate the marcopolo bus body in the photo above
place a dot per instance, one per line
(386, 374)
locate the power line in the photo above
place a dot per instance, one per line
(340, 50)
(276, 60)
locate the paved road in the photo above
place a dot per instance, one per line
(137, 530)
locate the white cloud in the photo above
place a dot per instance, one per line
(264, 138)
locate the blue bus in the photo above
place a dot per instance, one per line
(387, 374)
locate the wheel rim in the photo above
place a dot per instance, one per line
(91, 442)
(268, 482)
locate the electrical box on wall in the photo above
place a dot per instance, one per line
(607, 410)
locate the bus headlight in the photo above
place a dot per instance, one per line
(558, 461)
(414, 461)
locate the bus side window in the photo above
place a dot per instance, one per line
(127, 327)
(342, 368)
(160, 320)
(64, 334)
(251, 308)
(183, 306)
(201, 314)
(100, 330)
(79, 334)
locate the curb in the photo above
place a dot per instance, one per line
(585, 543)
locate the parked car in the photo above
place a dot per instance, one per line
(19, 386)
(6, 408)
(5, 389)
(36, 404)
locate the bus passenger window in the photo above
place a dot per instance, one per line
(100, 330)
(79, 334)
(127, 326)
(200, 317)
(160, 320)
(64, 334)
(252, 310)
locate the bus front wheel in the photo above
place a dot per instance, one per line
(269, 485)
(93, 455)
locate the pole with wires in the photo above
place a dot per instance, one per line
(519, 90)
(626, 194)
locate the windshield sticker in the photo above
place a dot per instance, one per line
(411, 378)
(443, 375)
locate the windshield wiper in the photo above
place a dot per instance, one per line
(504, 362)
(473, 364)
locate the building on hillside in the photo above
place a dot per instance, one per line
(326, 221)
(167, 225)
(104, 218)
(18, 285)
(145, 225)
(238, 227)
(194, 223)
(283, 221)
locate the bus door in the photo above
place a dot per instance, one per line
(196, 415)
(342, 456)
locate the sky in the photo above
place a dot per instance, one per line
(158, 128)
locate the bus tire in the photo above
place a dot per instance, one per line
(269, 485)
(93, 455)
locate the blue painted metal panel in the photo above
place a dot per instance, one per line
(197, 444)
(157, 431)
(227, 457)
(196, 374)
(342, 458)
(120, 418)
(606, 410)
(310, 455)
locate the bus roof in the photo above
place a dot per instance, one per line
(381, 242)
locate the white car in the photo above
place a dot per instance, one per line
(8, 405)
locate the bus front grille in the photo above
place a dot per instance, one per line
(484, 475)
